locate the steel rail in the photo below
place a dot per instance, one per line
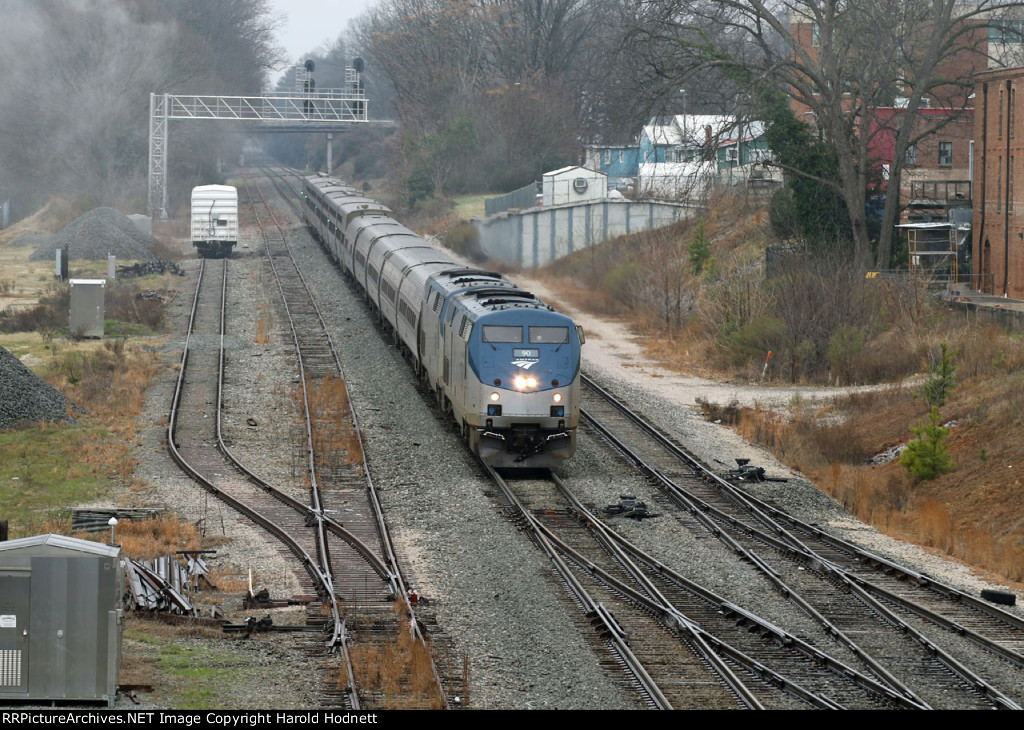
(197, 476)
(707, 515)
(656, 601)
(790, 546)
(311, 472)
(382, 528)
(307, 560)
(614, 633)
(773, 515)
(389, 568)
(766, 628)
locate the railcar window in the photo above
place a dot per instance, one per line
(502, 333)
(549, 335)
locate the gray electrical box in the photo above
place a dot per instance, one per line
(87, 307)
(61, 619)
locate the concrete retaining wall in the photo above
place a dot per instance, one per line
(537, 236)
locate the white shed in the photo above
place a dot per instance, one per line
(573, 185)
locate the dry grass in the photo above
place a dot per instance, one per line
(262, 336)
(109, 379)
(51, 218)
(400, 669)
(975, 513)
(335, 441)
(163, 535)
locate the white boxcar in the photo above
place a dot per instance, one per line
(214, 219)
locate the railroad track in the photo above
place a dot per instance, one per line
(684, 646)
(860, 615)
(341, 492)
(918, 673)
(193, 436)
(338, 535)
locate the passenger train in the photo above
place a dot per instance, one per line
(503, 364)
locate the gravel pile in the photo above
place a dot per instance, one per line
(25, 398)
(96, 234)
(32, 240)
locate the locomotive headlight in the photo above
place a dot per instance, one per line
(557, 397)
(495, 397)
(522, 383)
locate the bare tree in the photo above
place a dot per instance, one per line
(839, 62)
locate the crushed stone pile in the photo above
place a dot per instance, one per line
(99, 232)
(26, 398)
(34, 240)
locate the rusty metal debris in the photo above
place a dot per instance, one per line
(162, 584)
(747, 472)
(264, 625)
(262, 599)
(629, 506)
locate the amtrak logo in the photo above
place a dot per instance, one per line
(524, 364)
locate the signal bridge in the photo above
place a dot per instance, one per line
(328, 110)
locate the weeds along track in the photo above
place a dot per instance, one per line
(193, 436)
(682, 646)
(362, 565)
(859, 617)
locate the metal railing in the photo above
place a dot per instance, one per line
(524, 197)
(940, 190)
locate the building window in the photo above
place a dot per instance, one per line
(999, 186)
(1000, 114)
(816, 35)
(946, 154)
(1006, 31)
(730, 154)
(910, 157)
(1013, 110)
(620, 157)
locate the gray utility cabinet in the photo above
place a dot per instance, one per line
(61, 619)
(87, 307)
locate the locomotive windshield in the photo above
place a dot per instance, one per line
(503, 333)
(549, 335)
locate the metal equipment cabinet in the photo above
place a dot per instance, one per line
(87, 307)
(60, 619)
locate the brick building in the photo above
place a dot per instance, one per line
(937, 170)
(998, 241)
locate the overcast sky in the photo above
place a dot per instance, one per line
(311, 23)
